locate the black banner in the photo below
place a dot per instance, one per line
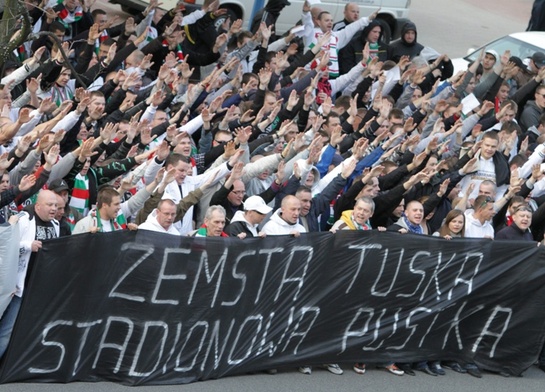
(145, 308)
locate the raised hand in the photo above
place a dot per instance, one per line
(27, 182)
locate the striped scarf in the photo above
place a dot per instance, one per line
(365, 226)
(80, 194)
(179, 52)
(119, 223)
(103, 37)
(60, 94)
(333, 66)
(68, 17)
(203, 230)
(70, 219)
(373, 51)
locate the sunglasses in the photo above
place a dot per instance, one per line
(485, 202)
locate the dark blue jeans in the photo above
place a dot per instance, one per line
(7, 322)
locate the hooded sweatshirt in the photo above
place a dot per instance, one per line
(404, 48)
(278, 226)
(239, 224)
(347, 223)
(152, 224)
(350, 55)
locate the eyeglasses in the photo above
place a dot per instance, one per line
(542, 95)
(485, 202)
(239, 192)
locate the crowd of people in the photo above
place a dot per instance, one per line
(170, 122)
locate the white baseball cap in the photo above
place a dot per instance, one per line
(256, 203)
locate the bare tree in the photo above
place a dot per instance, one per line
(15, 27)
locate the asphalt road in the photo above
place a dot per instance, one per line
(450, 27)
(320, 380)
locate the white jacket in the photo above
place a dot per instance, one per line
(27, 234)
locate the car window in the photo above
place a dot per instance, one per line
(518, 48)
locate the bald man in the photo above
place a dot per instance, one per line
(351, 14)
(285, 221)
(35, 226)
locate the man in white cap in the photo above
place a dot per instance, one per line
(245, 223)
(490, 59)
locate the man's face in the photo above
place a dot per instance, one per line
(86, 167)
(5, 98)
(417, 93)
(61, 204)
(103, 50)
(362, 212)
(64, 77)
(325, 22)
(102, 21)
(508, 116)
(71, 4)
(221, 138)
(159, 118)
(96, 108)
(4, 183)
(264, 175)
(64, 195)
(309, 181)
(172, 39)
(487, 190)
(215, 224)
(540, 97)
(132, 61)
(488, 148)
(184, 147)
(166, 214)
(374, 35)
(291, 211)
(352, 12)
(470, 87)
(410, 36)
(399, 209)
(503, 93)
(489, 61)
(331, 124)
(432, 163)
(306, 202)
(255, 217)
(415, 213)
(269, 103)
(122, 131)
(182, 170)
(372, 188)
(109, 211)
(251, 85)
(59, 34)
(236, 196)
(523, 219)
(46, 206)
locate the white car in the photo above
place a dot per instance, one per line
(522, 45)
